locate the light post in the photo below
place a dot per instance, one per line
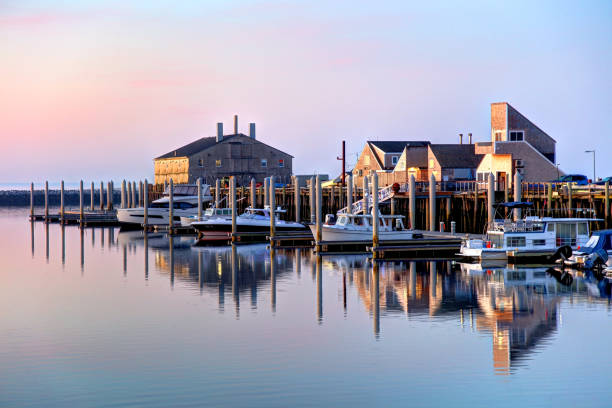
(592, 151)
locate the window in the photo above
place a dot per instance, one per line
(200, 162)
(498, 136)
(539, 242)
(366, 160)
(264, 162)
(431, 163)
(551, 228)
(218, 163)
(515, 241)
(516, 136)
(394, 160)
(281, 163)
(583, 229)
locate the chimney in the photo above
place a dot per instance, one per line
(460, 138)
(235, 124)
(469, 138)
(219, 132)
(252, 130)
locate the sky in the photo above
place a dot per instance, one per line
(97, 89)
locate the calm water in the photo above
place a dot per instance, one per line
(105, 318)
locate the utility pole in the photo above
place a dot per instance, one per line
(343, 158)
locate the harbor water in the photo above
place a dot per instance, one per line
(103, 318)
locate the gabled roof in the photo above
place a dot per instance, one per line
(456, 155)
(206, 143)
(394, 146)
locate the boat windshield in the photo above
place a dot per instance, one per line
(255, 214)
(209, 212)
(592, 242)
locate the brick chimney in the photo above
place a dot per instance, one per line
(460, 138)
(252, 130)
(219, 132)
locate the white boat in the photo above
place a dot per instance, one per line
(252, 220)
(530, 237)
(209, 213)
(185, 203)
(358, 227)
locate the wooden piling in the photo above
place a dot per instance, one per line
(109, 196)
(32, 201)
(266, 191)
(233, 204)
(319, 210)
(62, 201)
(81, 203)
(432, 202)
(349, 194)
(312, 201)
(199, 187)
(134, 202)
(375, 215)
(140, 202)
(607, 203)
(549, 197)
(101, 196)
(129, 195)
(569, 199)
(146, 207)
(46, 201)
(171, 206)
(517, 194)
(272, 198)
(490, 200)
(296, 199)
(217, 193)
(253, 194)
(412, 201)
(123, 202)
(91, 197)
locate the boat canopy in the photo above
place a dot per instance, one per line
(516, 204)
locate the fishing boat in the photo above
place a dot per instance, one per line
(531, 237)
(184, 203)
(595, 254)
(252, 220)
(358, 227)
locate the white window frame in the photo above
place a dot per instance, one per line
(394, 160)
(516, 132)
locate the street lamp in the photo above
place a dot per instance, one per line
(592, 151)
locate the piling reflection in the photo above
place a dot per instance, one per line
(517, 307)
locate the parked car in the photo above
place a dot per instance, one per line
(576, 179)
(603, 181)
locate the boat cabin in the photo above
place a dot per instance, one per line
(364, 221)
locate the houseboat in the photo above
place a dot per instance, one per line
(529, 238)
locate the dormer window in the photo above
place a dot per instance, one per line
(394, 160)
(516, 136)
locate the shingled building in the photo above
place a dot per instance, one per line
(223, 156)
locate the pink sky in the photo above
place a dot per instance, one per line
(97, 91)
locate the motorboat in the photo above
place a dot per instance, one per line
(184, 203)
(358, 227)
(531, 237)
(252, 220)
(209, 213)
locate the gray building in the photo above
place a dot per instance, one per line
(222, 156)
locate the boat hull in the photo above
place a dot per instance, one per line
(134, 217)
(331, 234)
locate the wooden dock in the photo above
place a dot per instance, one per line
(90, 218)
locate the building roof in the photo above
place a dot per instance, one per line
(205, 143)
(456, 155)
(394, 146)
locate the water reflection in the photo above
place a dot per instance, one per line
(517, 307)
